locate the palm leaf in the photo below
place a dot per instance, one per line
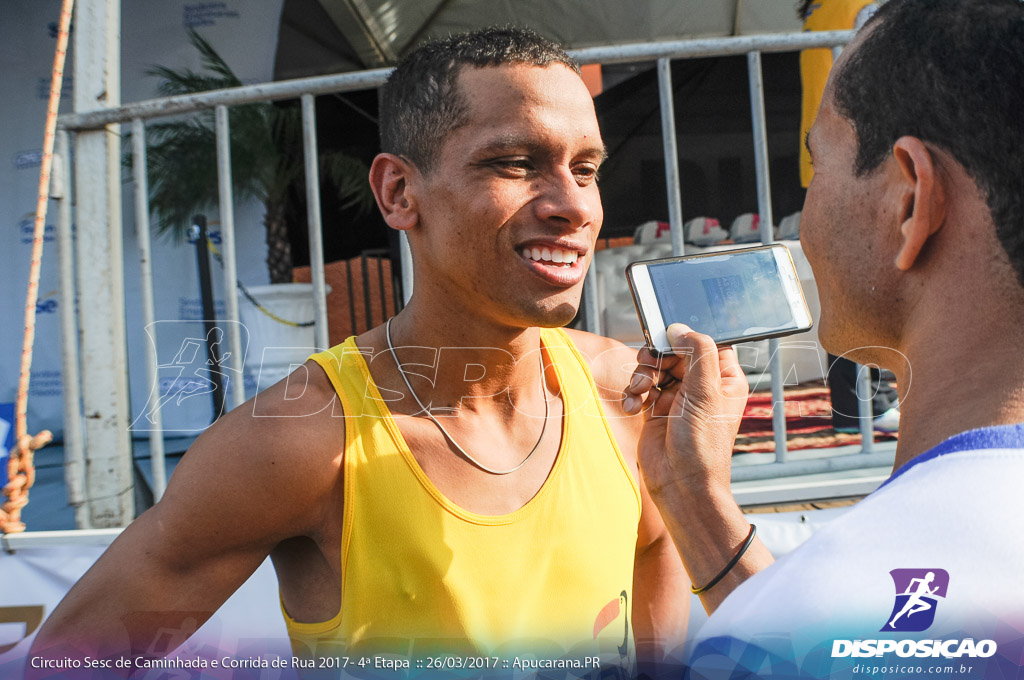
(266, 151)
(351, 177)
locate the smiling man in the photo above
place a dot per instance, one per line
(472, 486)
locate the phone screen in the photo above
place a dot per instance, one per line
(725, 296)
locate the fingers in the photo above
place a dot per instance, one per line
(662, 371)
(648, 373)
(661, 401)
(643, 379)
(700, 353)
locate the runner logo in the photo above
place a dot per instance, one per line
(917, 595)
(918, 592)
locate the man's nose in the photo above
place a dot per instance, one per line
(567, 204)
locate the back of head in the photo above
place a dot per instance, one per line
(951, 73)
(421, 104)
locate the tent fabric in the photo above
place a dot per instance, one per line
(320, 36)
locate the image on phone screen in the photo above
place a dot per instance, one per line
(725, 296)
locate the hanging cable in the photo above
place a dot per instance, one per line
(254, 301)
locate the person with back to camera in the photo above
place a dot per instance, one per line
(914, 227)
(466, 470)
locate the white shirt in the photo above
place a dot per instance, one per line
(957, 508)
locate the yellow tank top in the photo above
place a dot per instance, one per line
(422, 575)
(826, 15)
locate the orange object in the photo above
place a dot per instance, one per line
(20, 471)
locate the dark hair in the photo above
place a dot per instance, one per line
(951, 73)
(421, 104)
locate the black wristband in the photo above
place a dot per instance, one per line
(728, 567)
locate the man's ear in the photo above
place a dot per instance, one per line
(389, 179)
(924, 199)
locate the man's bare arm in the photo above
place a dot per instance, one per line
(246, 484)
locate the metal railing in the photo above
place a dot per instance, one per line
(136, 114)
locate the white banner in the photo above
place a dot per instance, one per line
(249, 627)
(38, 569)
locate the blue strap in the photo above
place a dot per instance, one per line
(999, 437)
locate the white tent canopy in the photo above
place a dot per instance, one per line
(321, 36)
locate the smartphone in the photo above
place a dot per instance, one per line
(732, 295)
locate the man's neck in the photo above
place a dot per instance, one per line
(959, 379)
(476, 366)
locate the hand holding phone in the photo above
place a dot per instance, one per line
(697, 439)
(733, 296)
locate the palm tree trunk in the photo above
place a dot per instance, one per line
(279, 248)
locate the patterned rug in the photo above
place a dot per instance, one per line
(808, 422)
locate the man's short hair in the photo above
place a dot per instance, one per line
(951, 73)
(421, 104)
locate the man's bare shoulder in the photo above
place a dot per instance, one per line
(285, 443)
(299, 418)
(611, 362)
(611, 365)
(307, 391)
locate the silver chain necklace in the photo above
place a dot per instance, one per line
(448, 436)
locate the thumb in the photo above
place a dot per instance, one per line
(702, 370)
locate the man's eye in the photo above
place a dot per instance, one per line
(585, 174)
(514, 165)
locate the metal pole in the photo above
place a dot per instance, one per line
(316, 239)
(380, 280)
(591, 303)
(156, 433)
(209, 313)
(406, 257)
(366, 290)
(227, 231)
(668, 141)
(74, 449)
(710, 47)
(865, 408)
(351, 297)
(761, 165)
(99, 246)
(767, 220)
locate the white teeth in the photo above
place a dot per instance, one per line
(553, 255)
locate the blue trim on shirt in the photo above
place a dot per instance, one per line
(999, 437)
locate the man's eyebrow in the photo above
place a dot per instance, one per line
(512, 142)
(807, 143)
(507, 143)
